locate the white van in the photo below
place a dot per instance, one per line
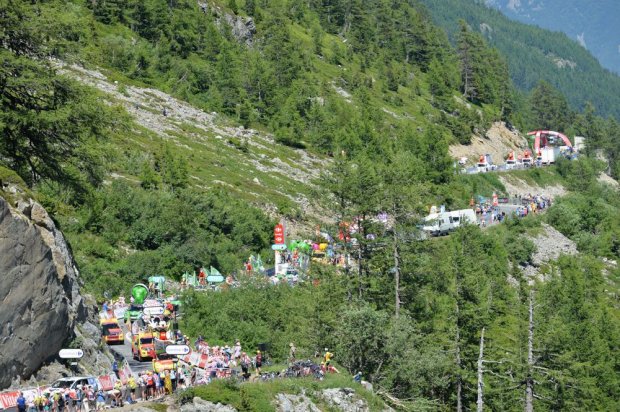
(438, 224)
(72, 383)
(547, 155)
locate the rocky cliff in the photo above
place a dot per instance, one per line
(40, 304)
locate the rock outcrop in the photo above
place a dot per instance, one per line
(40, 304)
(344, 399)
(200, 405)
(295, 403)
(498, 141)
(242, 28)
(550, 245)
(337, 399)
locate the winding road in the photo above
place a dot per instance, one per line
(123, 352)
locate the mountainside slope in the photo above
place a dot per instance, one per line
(536, 54)
(497, 141)
(246, 162)
(595, 25)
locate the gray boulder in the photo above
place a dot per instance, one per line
(200, 405)
(242, 28)
(295, 403)
(344, 399)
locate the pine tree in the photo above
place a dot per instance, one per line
(45, 122)
(109, 11)
(549, 108)
(250, 7)
(401, 196)
(468, 46)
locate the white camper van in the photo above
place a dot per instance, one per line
(438, 224)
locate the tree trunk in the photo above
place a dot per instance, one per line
(480, 402)
(359, 271)
(361, 255)
(396, 277)
(346, 261)
(529, 388)
(459, 382)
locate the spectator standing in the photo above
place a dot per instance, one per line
(105, 308)
(168, 382)
(180, 377)
(118, 393)
(173, 379)
(327, 358)
(60, 401)
(141, 386)
(91, 399)
(245, 364)
(100, 400)
(115, 368)
(79, 399)
(258, 361)
(133, 385)
(192, 379)
(21, 403)
(39, 402)
(159, 387)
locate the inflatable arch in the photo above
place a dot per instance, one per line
(543, 136)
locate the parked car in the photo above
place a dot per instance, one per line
(72, 383)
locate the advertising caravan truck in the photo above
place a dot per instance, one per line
(111, 331)
(510, 161)
(526, 161)
(442, 223)
(142, 346)
(485, 164)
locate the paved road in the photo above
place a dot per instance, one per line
(499, 168)
(123, 351)
(509, 209)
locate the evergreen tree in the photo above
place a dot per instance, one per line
(46, 121)
(590, 126)
(549, 108)
(109, 11)
(469, 48)
(173, 169)
(250, 7)
(280, 49)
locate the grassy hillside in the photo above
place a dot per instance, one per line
(133, 193)
(263, 396)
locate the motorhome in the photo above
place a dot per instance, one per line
(438, 224)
